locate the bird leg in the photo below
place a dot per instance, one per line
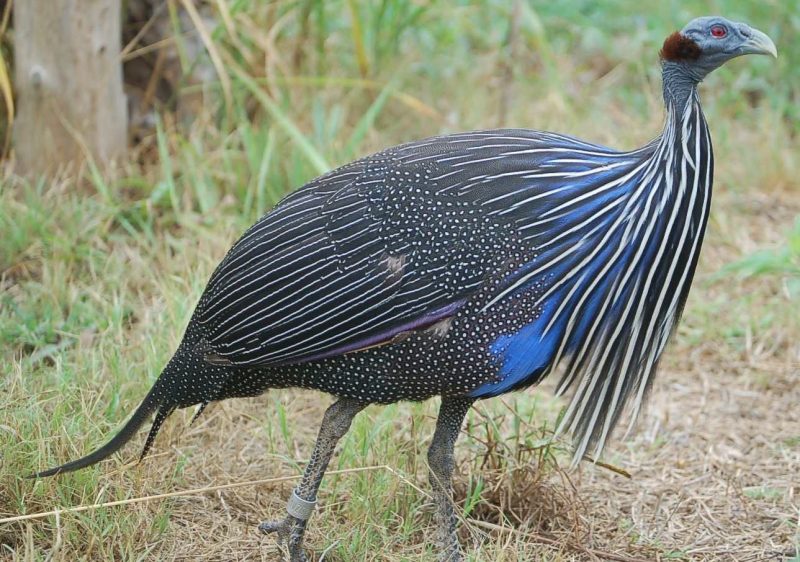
(301, 504)
(441, 463)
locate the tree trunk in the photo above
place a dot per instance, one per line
(69, 83)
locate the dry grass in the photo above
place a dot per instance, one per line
(98, 277)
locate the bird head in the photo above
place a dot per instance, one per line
(709, 42)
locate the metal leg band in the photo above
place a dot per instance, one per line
(299, 508)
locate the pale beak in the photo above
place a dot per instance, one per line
(759, 43)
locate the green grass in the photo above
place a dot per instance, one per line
(99, 274)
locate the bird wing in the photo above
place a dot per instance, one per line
(351, 260)
(386, 245)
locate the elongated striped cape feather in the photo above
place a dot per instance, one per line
(614, 238)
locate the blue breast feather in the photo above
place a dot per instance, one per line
(528, 354)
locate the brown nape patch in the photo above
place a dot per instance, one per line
(678, 47)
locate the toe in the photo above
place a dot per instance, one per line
(268, 526)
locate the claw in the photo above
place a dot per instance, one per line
(275, 526)
(290, 534)
(272, 526)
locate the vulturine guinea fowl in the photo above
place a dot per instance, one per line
(464, 266)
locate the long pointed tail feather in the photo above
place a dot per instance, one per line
(161, 416)
(148, 405)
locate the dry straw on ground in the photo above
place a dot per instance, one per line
(711, 472)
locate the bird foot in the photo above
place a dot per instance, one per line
(290, 536)
(450, 553)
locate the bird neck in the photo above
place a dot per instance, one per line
(685, 119)
(680, 82)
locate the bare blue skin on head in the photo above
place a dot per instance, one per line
(718, 40)
(721, 40)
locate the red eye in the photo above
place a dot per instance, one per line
(718, 31)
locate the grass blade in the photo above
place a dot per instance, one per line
(284, 122)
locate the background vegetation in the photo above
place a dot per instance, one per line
(99, 273)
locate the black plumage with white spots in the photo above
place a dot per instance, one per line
(464, 266)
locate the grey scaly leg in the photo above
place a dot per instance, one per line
(301, 504)
(440, 460)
